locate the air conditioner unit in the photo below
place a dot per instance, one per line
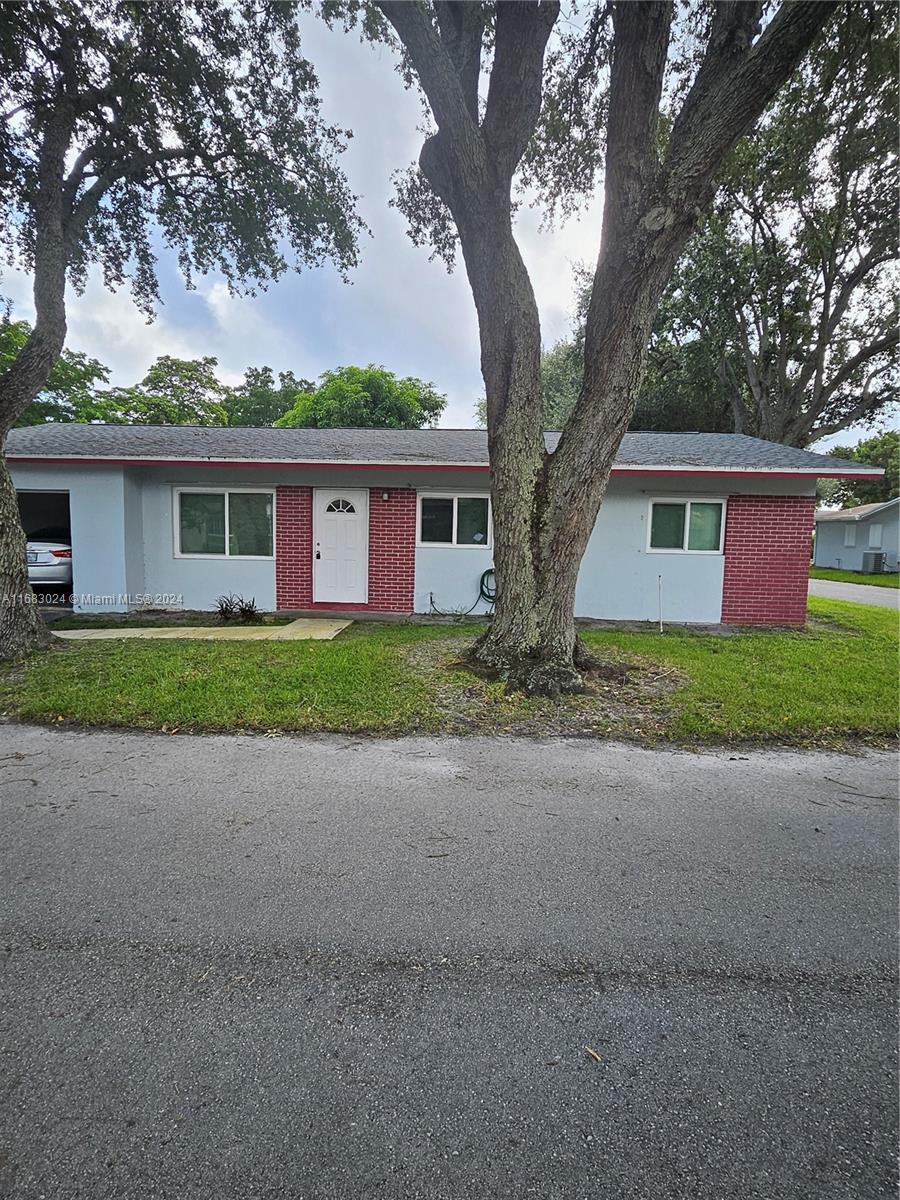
(873, 562)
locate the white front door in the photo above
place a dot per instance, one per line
(340, 545)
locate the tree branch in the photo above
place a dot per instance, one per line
(434, 66)
(738, 85)
(867, 405)
(461, 26)
(641, 31)
(627, 281)
(641, 40)
(734, 25)
(887, 342)
(830, 320)
(129, 168)
(514, 92)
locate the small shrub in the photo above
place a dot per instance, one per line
(247, 610)
(227, 606)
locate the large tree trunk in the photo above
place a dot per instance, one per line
(545, 506)
(21, 628)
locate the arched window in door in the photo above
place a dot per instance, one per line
(339, 506)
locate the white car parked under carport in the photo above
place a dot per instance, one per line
(49, 556)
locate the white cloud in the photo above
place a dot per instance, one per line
(108, 326)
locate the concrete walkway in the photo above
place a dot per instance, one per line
(857, 593)
(303, 629)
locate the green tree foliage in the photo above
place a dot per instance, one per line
(197, 120)
(175, 391)
(676, 395)
(562, 367)
(71, 392)
(366, 397)
(179, 391)
(260, 400)
(882, 450)
(781, 319)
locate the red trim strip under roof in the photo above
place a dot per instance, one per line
(724, 472)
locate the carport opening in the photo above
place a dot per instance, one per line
(40, 511)
(45, 517)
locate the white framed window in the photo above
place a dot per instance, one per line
(875, 537)
(849, 535)
(454, 519)
(224, 522)
(679, 526)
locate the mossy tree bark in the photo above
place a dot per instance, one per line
(21, 627)
(545, 504)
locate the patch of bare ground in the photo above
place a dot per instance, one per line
(625, 695)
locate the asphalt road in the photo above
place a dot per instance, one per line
(270, 968)
(857, 593)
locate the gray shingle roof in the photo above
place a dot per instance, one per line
(860, 513)
(401, 447)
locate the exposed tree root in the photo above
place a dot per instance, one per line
(533, 673)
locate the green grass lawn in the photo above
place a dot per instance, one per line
(837, 677)
(834, 680)
(888, 581)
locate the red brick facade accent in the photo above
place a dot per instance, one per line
(392, 550)
(293, 547)
(767, 549)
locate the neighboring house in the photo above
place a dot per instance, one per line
(845, 536)
(696, 527)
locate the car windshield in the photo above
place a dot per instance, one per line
(49, 535)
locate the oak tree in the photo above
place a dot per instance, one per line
(123, 127)
(259, 399)
(786, 296)
(175, 391)
(604, 90)
(881, 450)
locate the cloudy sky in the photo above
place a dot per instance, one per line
(399, 310)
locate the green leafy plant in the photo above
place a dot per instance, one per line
(247, 610)
(227, 606)
(365, 397)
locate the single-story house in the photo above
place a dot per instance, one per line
(866, 538)
(696, 527)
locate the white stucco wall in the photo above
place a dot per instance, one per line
(621, 581)
(97, 508)
(618, 578)
(124, 544)
(450, 575)
(196, 582)
(134, 533)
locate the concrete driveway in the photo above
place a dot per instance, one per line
(339, 968)
(858, 593)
